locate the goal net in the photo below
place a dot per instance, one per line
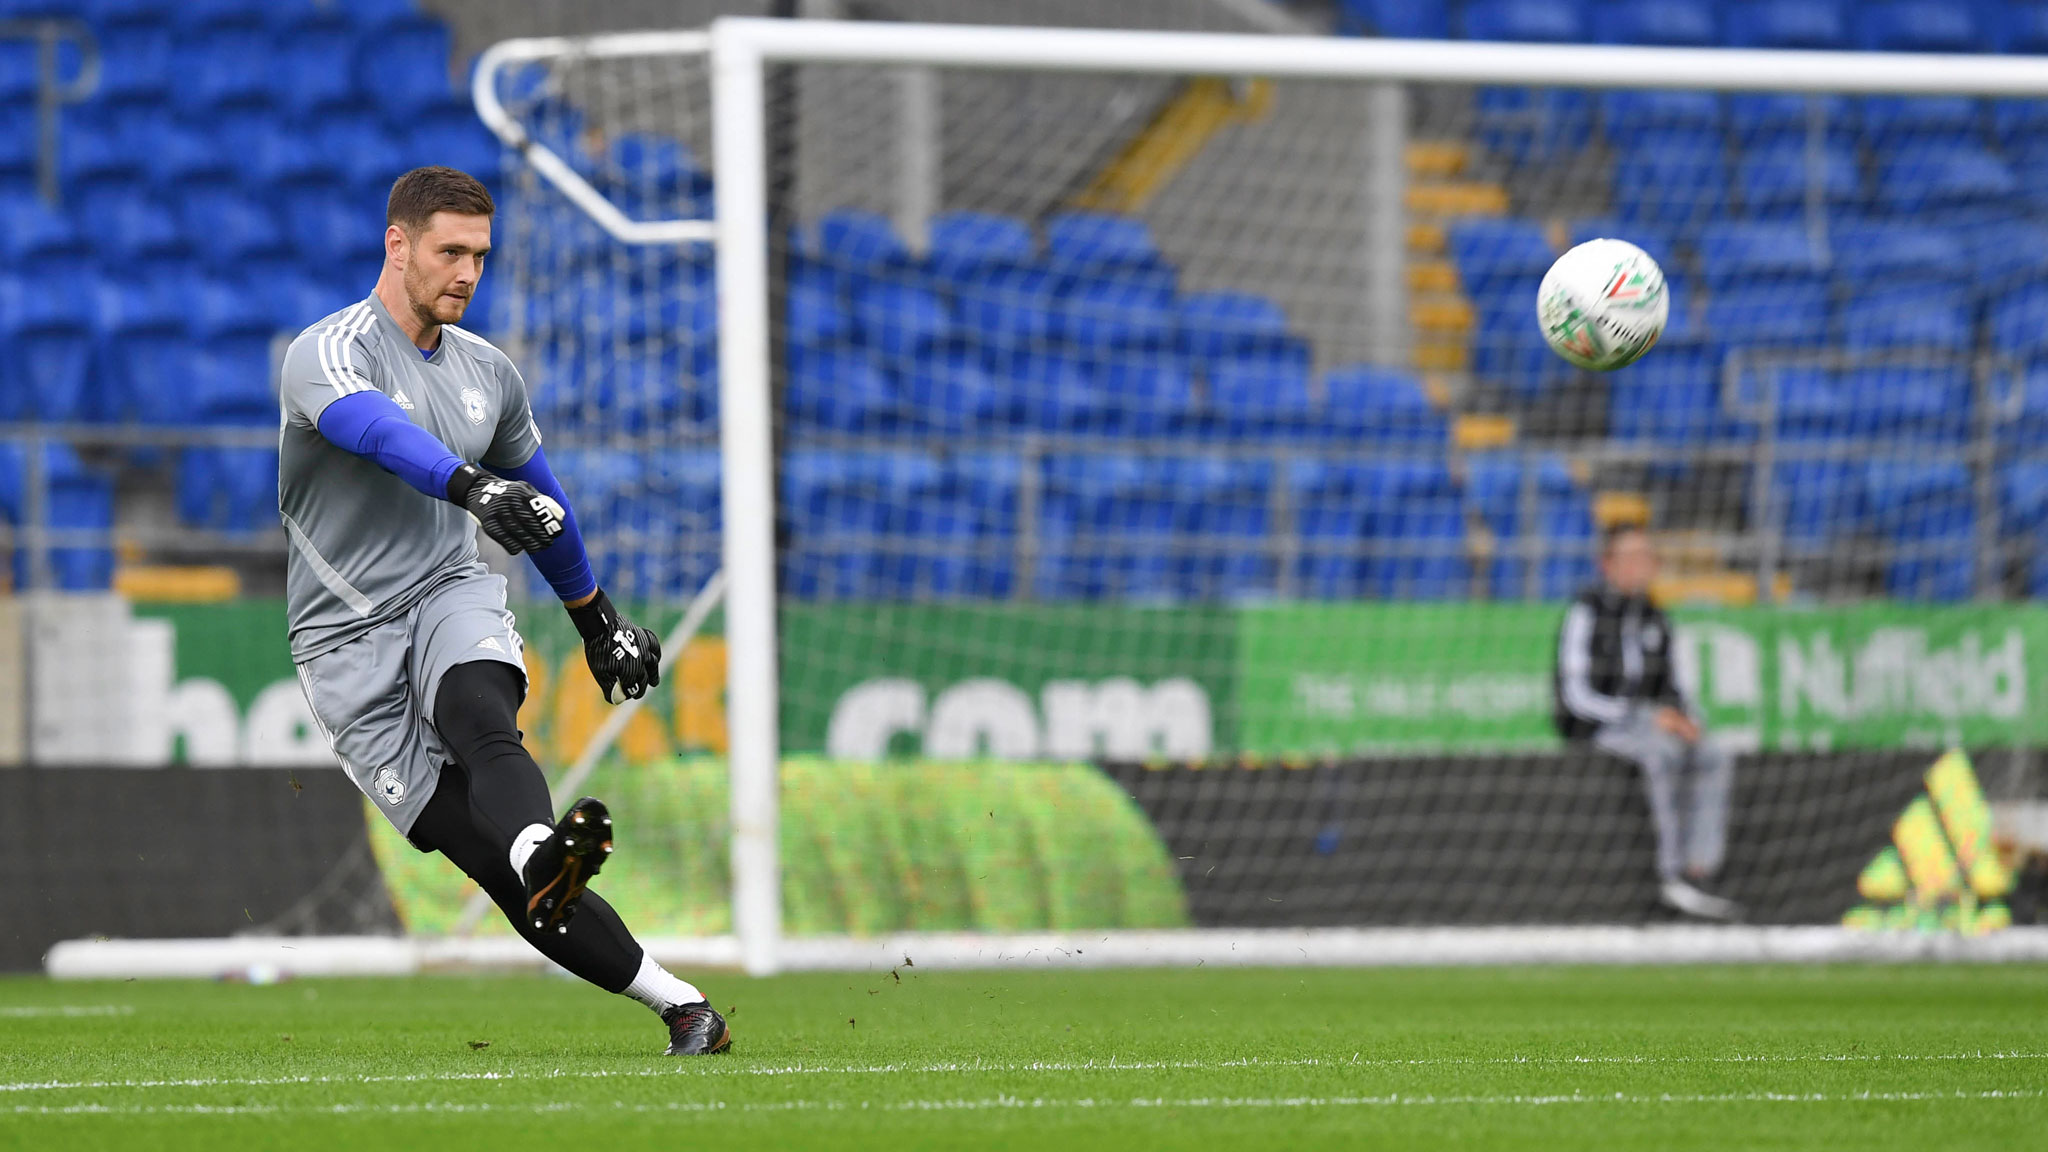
(1174, 503)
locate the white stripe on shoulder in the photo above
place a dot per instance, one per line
(334, 359)
(469, 336)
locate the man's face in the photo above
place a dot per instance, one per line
(442, 264)
(1630, 564)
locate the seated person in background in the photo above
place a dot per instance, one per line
(1617, 689)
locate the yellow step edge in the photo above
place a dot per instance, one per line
(1612, 508)
(177, 583)
(1432, 276)
(1731, 588)
(1438, 389)
(1450, 357)
(1457, 198)
(1442, 314)
(1438, 158)
(1477, 432)
(1426, 237)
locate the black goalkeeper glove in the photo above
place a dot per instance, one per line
(512, 512)
(620, 652)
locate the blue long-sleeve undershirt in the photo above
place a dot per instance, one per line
(369, 424)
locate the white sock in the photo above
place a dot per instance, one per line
(529, 838)
(660, 989)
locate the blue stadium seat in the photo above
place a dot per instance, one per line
(1787, 24)
(1091, 247)
(314, 71)
(1007, 310)
(1649, 238)
(301, 299)
(232, 325)
(231, 490)
(2014, 323)
(185, 156)
(843, 390)
(2019, 27)
(1528, 125)
(1229, 544)
(1146, 393)
(1628, 115)
(19, 72)
(1817, 499)
(1675, 180)
(206, 15)
(1260, 398)
(238, 228)
(897, 320)
(857, 248)
(363, 15)
(967, 245)
(1681, 23)
(1548, 21)
(1790, 314)
(46, 347)
(335, 231)
(1939, 177)
(95, 153)
(1408, 19)
(279, 159)
(1918, 26)
(1872, 252)
(404, 71)
(1330, 525)
(144, 357)
(1057, 394)
(1774, 181)
(127, 12)
(1672, 399)
(135, 232)
(1414, 529)
(1499, 257)
(135, 64)
(1893, 404)
(452, 135)
(949, 391)
(1811, 404)
(33, 236)
(1738, 253)
(1890, 122)
(650, 176)
(1371, 404)
(1757, 119)
(217, 69)
(1927, 509)
(1231, 324)
(815, 316)
(1098, 315)
(370, 159)
(1894, 316)
(18, 151)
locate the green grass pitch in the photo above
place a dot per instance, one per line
(1672, 1058)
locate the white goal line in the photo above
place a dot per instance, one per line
(281, 956)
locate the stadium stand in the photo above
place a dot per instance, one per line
(1908, 229)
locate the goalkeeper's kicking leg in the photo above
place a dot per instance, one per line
(490, 814)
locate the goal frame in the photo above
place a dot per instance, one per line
(742, 48)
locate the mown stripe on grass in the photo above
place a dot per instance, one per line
(989, 1103)
(731, 1068)
(30, 1011)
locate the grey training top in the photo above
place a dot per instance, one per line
(365, 545)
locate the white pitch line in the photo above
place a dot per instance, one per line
(23, 1011)
(731, 1068)
(992, 1103)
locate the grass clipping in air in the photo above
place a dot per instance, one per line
(867, 848)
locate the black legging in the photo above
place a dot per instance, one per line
(491, 792)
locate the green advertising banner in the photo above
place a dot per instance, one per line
(1360, 678)
(1012, 681)
(1062, 682)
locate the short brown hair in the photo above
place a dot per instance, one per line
(420, 193)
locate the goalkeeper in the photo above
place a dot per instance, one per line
(1617, 687)
(402, 434)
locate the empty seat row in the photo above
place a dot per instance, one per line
(1895, 26)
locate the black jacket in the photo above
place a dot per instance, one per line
(1613, 652)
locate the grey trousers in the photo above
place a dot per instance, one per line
(1687, 787)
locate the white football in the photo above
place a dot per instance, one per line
(1603, 304)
